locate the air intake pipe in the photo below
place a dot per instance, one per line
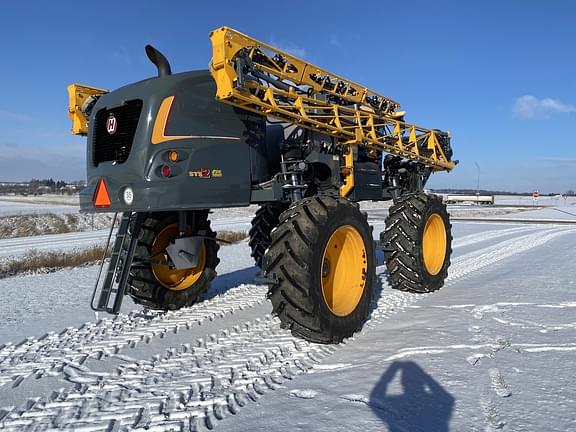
(159, 60)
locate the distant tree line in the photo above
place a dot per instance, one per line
(491, 192)
(41, 186)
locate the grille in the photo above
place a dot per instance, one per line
(115, 147)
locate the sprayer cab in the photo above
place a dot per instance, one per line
(151, 145)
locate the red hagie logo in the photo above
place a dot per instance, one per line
(111, 124)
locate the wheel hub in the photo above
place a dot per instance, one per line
(343, 272)
(170, 277)
(434, 244)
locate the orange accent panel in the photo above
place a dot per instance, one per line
(101, 195)
(159, 131)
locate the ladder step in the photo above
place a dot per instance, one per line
(111, 292)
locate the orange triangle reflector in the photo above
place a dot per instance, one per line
(101, 195)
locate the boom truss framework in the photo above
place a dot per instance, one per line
(260, 78)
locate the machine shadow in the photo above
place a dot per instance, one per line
(422, 405)
(223, 283)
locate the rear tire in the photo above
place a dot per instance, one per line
(156, 285)
(266, 219)
(322, 258)
(417, 243)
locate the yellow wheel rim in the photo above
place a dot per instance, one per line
(344, 265)
(434, 244)
(174, 280)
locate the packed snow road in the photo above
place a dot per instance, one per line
(13, 247)
(74, 240)
(490, 351)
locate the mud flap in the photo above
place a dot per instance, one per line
(185, 251)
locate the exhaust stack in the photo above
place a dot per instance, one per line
(159, 60)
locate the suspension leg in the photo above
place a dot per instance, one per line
(182, 219)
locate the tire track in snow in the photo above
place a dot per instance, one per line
(490, 235)
(185, 388)
(50, 353)
(191, 387)
(111, 335)
(489, 255)
(475, 261)
(47, 355)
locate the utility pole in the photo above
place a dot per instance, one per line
(477, 182)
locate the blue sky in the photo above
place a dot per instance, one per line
(500, 75)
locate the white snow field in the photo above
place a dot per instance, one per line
(492, 350)
(11, 208)
(13, 247)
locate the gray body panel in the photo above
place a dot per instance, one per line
(221, 145)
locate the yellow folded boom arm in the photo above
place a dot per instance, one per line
(260, 78)
(81, 99)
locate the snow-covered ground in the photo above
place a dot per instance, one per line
(492, 350)
(13, 247)
(19, 205)
(46, 199)
(12, 208)
(10, 248)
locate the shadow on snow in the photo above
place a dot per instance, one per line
(227, 281)
(419, 403)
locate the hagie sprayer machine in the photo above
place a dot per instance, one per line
(261, 126)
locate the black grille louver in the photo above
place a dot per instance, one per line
(115, 147)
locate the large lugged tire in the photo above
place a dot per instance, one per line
(265, 220)
(157, 286)
(322, 258)
(417, 243)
